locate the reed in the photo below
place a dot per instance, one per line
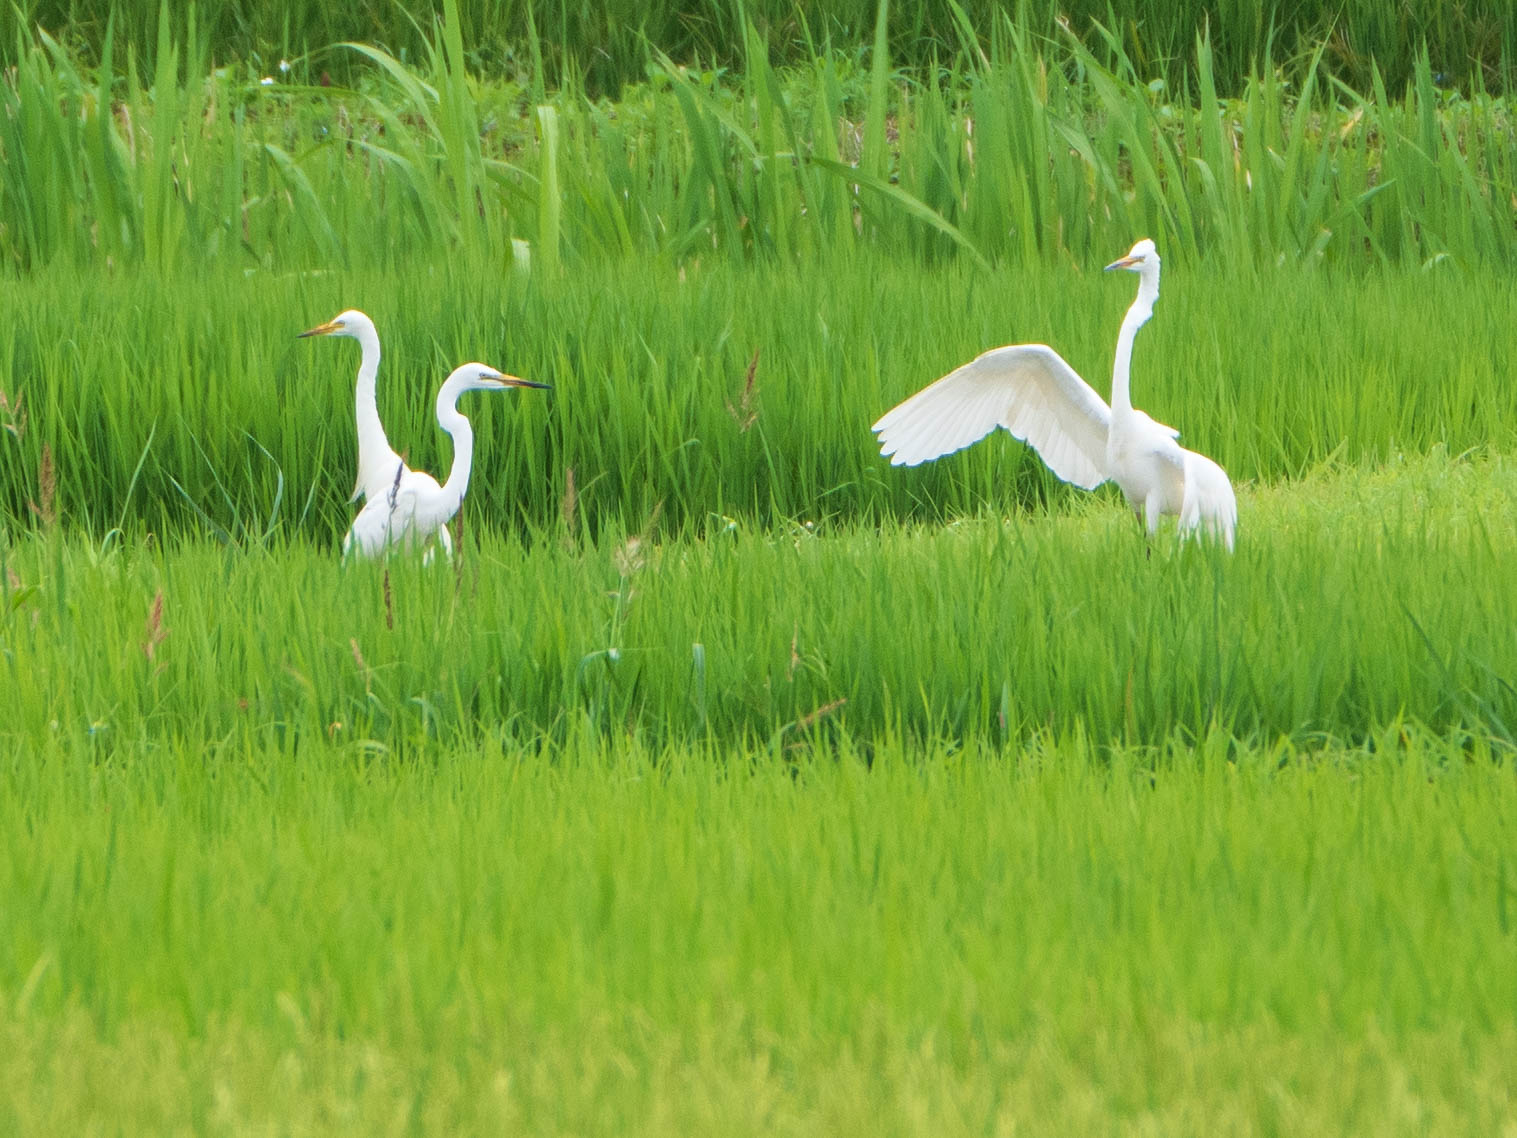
(1024, 151)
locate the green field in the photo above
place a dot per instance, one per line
(629, 940)
(731, 780)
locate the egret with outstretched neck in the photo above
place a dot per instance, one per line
(1032, 392)
(376, 458)
(413, 508)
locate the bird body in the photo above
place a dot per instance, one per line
(413, 507)
(1034, 394)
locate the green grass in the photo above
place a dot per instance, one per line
(181, 407)
(1355, 602)
(169, 231)
(1027, 152)
(644, 941)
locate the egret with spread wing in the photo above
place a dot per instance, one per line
(412, 507)
(1034, 394)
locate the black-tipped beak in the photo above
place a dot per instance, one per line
(320, 330)
(513, 381)
(1122, 263)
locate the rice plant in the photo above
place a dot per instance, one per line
(182, 407)
(1354, 602)
(640, 940)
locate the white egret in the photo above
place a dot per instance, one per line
(377, 460)
(1040, 399)
(413, 507)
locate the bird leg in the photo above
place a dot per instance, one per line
(1148, 546)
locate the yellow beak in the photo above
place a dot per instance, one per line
(320, 330)
(1122, 263)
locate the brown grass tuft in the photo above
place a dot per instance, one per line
(745, 414)
(47, 488)
(155, 633)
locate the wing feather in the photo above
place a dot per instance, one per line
(1026, 388)
(1209, 503)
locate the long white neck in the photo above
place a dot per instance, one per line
(1142, 308)
(377, 462)
(452, 420)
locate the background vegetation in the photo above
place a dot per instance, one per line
(1025, 151)
(175, 408)
(605, 43)
(168, 234)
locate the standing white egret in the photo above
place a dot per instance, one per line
(413, 507)
(1034, 394)
(376, 459)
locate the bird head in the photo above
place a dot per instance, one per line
(482, 377)
(476, 377)
(1142, 256)
(343, 324)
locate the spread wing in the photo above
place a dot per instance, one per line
(1026, 388)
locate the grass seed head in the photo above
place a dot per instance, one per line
(569, 503)
(155, 633)
(745, 414)
(13, 414)
(47, 488)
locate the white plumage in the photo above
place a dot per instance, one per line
(413, 507)
(376, 458)
(1033, 393)
(1026, 388)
